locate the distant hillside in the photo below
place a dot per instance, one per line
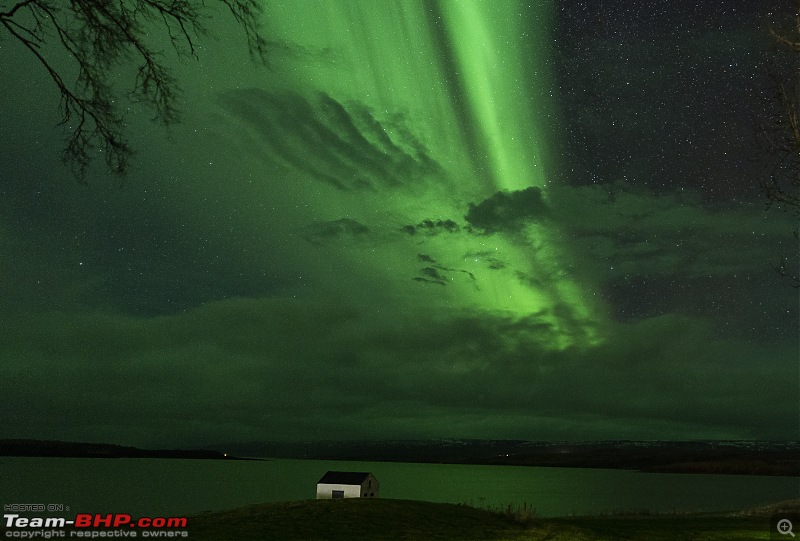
(724, 457)
(96, 450)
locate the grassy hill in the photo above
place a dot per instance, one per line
(397, 520)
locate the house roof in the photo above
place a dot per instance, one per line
(344, 478)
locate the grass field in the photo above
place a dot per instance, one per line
(396, 520)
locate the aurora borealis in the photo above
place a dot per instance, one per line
(424, 219)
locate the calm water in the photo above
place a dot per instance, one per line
(170, 487)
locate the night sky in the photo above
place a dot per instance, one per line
(424, 219)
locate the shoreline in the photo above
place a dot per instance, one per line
(763, 459)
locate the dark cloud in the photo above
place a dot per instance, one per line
(433, 273)
(343, 145)
(530, 280)
(244, 369)
(622, 229)
(617, 229)
(322, 232)
(489, 258)
(432, 227)
(659, 253)
(437, 273)
(428, 280)
(508, 211)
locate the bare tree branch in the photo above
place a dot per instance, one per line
(100, 35)
(778, 131)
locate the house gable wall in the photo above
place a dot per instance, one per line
(371, 487)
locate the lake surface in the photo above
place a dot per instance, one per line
(172, 487)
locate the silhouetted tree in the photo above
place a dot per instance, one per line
(99, 36)
(779, 130)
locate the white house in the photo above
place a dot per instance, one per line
(347, 484)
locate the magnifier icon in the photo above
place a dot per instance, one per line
(785, 527)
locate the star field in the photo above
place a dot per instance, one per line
(525, 220)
